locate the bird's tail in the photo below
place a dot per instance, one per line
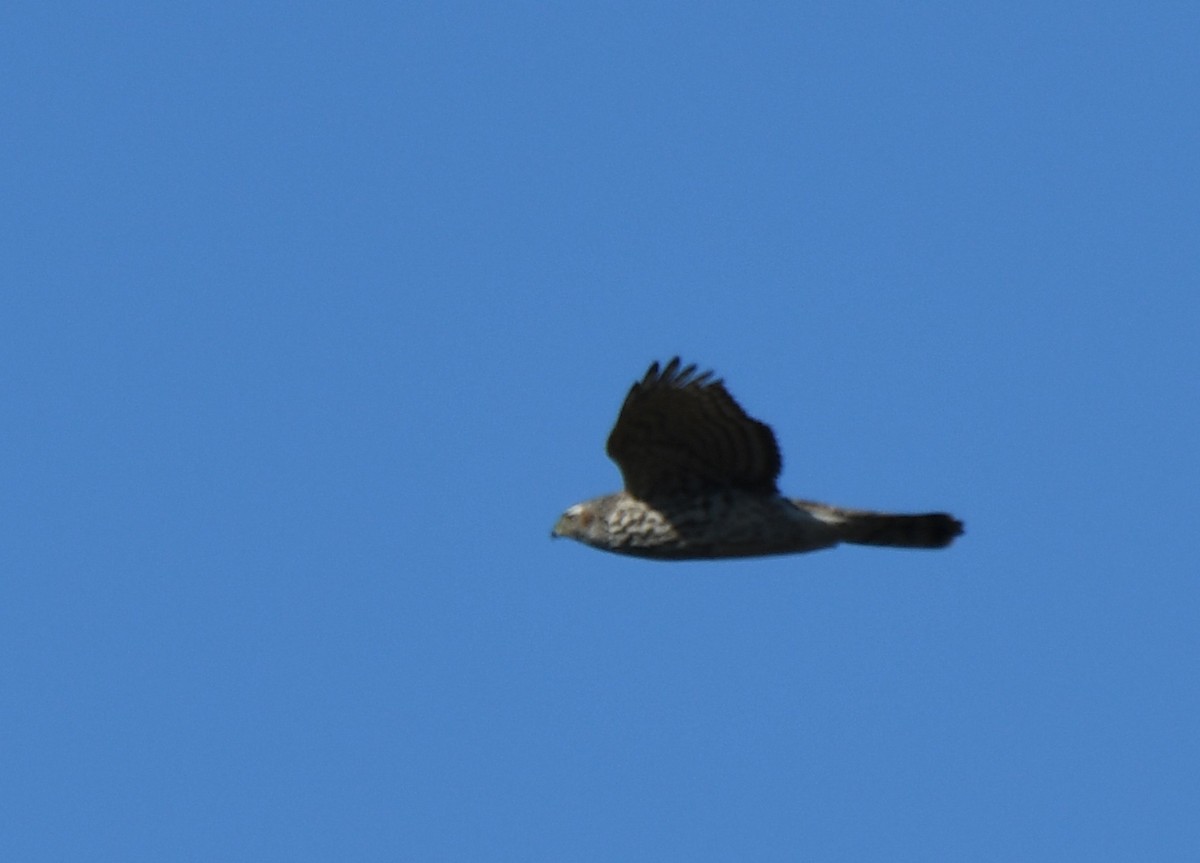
(863, 527)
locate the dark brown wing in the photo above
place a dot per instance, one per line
(681, 432)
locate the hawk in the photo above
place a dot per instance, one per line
(700, 484)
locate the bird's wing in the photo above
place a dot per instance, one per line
(682, 432)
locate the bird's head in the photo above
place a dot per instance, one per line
(574, 523)
(586, 522)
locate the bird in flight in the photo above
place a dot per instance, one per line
(700, 483)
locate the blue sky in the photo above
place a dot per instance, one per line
(316, 316)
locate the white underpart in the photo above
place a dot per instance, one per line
(826, 516)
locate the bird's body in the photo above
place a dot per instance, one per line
(700, 484)
(727, 524)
